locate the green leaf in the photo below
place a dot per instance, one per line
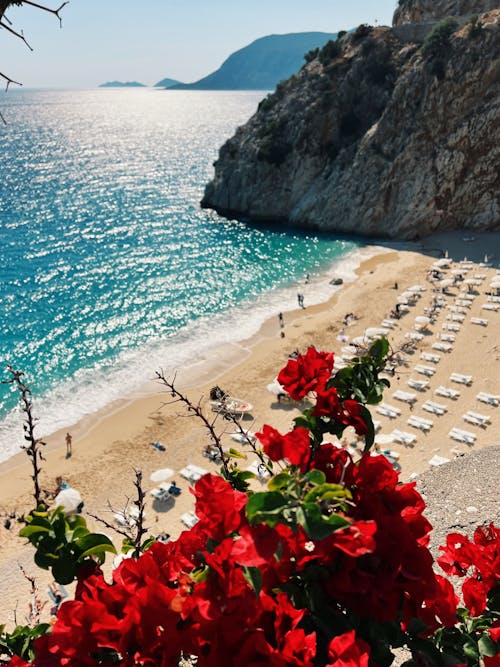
(254, 578)
(315, 476)
(279, 482)
(370, 428)
(30, 530)
(379, 349)
(265, 506)
(235, 454)
(64, 570)
(487, 646)
(93, 544)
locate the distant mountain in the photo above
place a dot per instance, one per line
(122, 84)
(262, 64)
(167, 83)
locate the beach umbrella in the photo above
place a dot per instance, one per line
(442, 263)
(447, 282)
(161, 475)
(459, 272)
(275, 388)
(416, 288)
(422, 319)
(70, 500)
(373, 332)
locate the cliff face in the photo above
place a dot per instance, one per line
(375, 140)
(425, 11)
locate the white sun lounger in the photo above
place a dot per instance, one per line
(490, 399)
(464, 303)
(388, 323)
(434, 408)
(462, 436)
(494, 299)
(425, 370)
(246, 438)
(189, 519)
(417, 288)
(403, 437)
(448, 326)
(405, 396)
(377, 425)
(479, 320)
(414, 336)
(446, 392)
(476, 418)
(479, 276)
(420, 385)
(442, 347)
(192, 472)
(420, 423)
(461, 379)
(455, 318)
(467, 296)
(490, 306)
(449, 338)
(456, 309)
(388, 410)
(428, 356)
(437, 460)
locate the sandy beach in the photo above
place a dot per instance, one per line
(108, 447)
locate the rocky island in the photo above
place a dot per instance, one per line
(386, 131)
(122, 84)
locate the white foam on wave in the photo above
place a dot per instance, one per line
(90, 390)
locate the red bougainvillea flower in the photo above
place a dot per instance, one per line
(493, 661)
(327, 403)
(294, 446)
(354, 417)
(347, 650)
(481, 558)
(308, 372)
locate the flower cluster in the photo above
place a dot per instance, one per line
(330, 566)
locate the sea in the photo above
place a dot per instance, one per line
(109, 268)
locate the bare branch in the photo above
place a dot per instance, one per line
(198, 412)
(2, 118)
(36, 605)
(47, 9)
(17, 34)
(34, 444)
(140, 530)
(9, 80)
(99, 519)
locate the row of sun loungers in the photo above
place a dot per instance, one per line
(480, 321)
(462, 436)
(461, 379)
(447, 392)
(420, 422)
(434, 408)
(388, 410)
(404, 396)
(419, 385)
(476, 418)
(442, 347)
(425, 370)
(428, 356)
(490, 399)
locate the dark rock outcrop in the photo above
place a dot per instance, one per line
(376, 138)
(425, 11)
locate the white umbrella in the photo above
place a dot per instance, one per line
(161, 475)
(442, 263)
(458, 272)
(275, 388)
(422, 319)
(70, 500)
(416, 288)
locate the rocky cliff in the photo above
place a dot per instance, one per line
(426, 11)
(375, 137)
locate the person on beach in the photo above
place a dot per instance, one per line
(69, 443)
(300, 300)
(281, 320)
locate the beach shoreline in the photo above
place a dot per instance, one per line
(106, 452)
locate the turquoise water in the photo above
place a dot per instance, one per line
(109, 269)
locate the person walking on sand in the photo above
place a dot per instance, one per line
(281, 320)
(300, 299)
(69, 442)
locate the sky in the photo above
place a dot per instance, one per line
(148, 40)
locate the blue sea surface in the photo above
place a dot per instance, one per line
(109, 268)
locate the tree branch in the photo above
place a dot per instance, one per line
(33, 445)
(47, 9)
(9, 80)
(17, 34)
(197, 411)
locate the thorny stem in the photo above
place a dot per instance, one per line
(198, 412)
(36, 605)
(140, 530)
(136, 532)
(33, 444)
